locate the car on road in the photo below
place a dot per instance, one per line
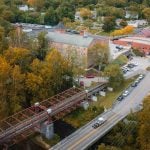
(141, 76)
(99, 122)
(120, 98)
(125, 93)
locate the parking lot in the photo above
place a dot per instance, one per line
(138, 63)
(115, 52)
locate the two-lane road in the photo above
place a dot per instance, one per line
(86, 136)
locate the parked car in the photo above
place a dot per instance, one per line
(130, 66)
(119, 47)
(141, 76)
(125, 93)
(120, 98)
(134, 84)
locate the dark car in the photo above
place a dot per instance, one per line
(96, 125)
(134, 84)
(130, 65)
(120, 98)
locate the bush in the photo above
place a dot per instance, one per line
(120, 60)
(148, 68)
(137, 52)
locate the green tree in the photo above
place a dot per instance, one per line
(109, 24)
(98, 54)
(144, 128)
(123, 23)
(42, 45)
(115, 75)
(146, 13)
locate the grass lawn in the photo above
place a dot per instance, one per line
(110, 97)
(80, 116)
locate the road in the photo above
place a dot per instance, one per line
(86, 135)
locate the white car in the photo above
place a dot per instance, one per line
(99, 122)
(125, 93)
(141, 76)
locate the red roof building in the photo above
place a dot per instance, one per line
(141, 43)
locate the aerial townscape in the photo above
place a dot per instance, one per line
(74, 74)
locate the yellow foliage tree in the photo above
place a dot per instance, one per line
(85, 13)
(123, 31)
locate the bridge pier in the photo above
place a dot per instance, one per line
(47, 129)
(85, 105)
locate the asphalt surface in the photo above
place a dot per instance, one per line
(86, 135)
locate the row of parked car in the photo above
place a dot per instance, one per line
(133, 85)
(128, 67)
(102, 120)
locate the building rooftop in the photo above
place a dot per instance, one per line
(71, 39)
(137, 40)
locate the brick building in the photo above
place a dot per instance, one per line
(141, 43)
(74, 44)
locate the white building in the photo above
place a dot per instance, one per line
(132, 15)
(137, 23)
(25, 8)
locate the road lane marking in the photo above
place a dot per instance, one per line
(111, 118)
(90, 133)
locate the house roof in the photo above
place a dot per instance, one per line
(71, 39)
(137, 40)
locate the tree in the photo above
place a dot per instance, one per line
(123, 23)
(109, 24)
(85, 13)
(144, 128)
(59, 68)
(19, 56)
(116, 79)
(18, 38)
(3, 40)
(42, 45)
(11, 88)
(51, 17)
(123, 31)
(146, 13)
(98, 54)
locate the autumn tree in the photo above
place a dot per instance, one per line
(144, 125)
(85, 13)
(11, 88)
(19, 56)
(123, 31)
(146, 13)
(60, 68)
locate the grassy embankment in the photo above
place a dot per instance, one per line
(80, 117)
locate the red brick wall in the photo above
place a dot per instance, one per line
(142, 47)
